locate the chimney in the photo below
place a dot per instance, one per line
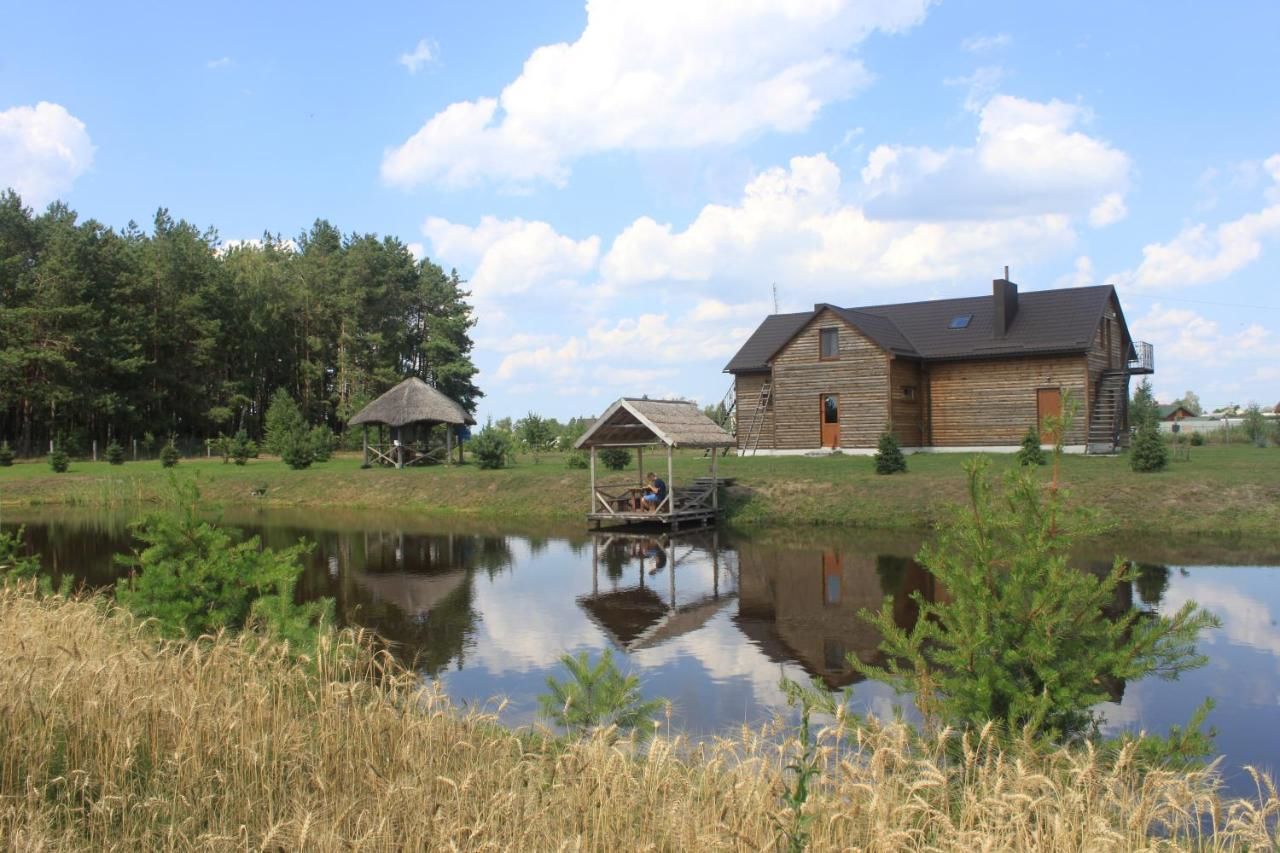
(1004, 295)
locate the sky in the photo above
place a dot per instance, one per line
(631, 187)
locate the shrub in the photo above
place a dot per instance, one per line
(15, 563)
(296, 451)
(242, 449)
(578, 459)
(535, 433)
(320, 439)
(222, 446)
(6, 455)
(58, 461)
(889, 458)
(1197, 439)
(193, 579)
(1255, 425)
(1149, 452)
(596, 697)
(169, 455)
(1031, 453)
(115, 453)
(615, 458)
(491, 447)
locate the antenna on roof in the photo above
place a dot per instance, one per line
(775, 297)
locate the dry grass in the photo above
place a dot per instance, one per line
(111, 740)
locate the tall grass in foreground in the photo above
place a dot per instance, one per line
(110, 739)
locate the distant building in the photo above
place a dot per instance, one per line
(975, 372)
(1175, 412)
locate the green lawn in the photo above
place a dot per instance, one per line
(1221, 490)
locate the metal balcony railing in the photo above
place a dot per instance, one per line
(1144, 358)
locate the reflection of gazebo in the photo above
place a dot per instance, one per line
(671, 424)
(413, 595)
(637, 618)
(410, 410)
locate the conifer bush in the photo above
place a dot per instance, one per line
(297, 451)
(491, 447)
(615, 458)
(1149, 452)
(578, 459)
(596, 697)
(242, 449)
(321, 442)
(1031, 453)
(284, 423)
(889, 458)
(115, 453)
(169, 456)
(58, 461)
(6, 455)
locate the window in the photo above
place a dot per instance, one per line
(909, 393)
(830, 344)
(960, 321)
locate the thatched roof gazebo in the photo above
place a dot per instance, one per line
(409, 411)
(673, 424)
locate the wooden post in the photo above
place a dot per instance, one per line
(595, 565)
(135, 450)
(671, 569)
(95, 450)
(593, 479)
(640, 464)
(366, 443)
(448, 444)
(671, 484)
(715, 484)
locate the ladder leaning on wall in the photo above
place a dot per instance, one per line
(752, 439)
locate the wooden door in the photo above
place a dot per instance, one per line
(830, 415)
(1048, 404)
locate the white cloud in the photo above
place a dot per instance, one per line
(1185, 336)
(1199, 255)
(1108, 211)
(792, 225)
(511, 256)
(43, 149)
(417, 250)
(984, 43)
(1029, 158)
(423, 53)
(982, 85)
(220, 63)
(659, 75)
(1082, 275)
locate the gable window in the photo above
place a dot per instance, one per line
(909, 392)
(829, 340)
(960, 321)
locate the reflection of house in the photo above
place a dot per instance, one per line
(804, 605)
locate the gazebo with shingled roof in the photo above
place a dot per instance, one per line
(408, 412)
(637, 424)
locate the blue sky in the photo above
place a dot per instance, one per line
(623, 183)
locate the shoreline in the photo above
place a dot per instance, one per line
(1231, 491)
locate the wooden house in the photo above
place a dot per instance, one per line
(948, 374)
(1175, 412)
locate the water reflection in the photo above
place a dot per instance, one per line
(712, 620)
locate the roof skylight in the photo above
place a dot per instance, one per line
(960, 321)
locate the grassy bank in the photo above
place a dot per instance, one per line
(112, 740)
(1232, 489)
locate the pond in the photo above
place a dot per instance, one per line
(710, 621)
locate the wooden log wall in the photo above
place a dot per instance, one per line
(800, 378)
(992, 403)
(906, 408)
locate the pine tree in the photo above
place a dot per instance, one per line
(242, 448)
(889, 458)
(285, 425)
(115, 453)
(596, 697)
(169, 455)
(1149, 451)
(1143, 407)
(1031, 452)
(6, 455)
(58, 461)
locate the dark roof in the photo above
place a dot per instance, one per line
(1170, 409)
(1047, 321)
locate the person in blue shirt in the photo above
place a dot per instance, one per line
(655, 493)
